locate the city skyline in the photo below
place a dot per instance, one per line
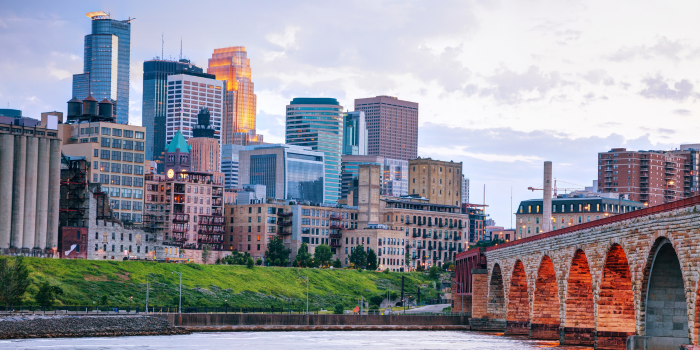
(587, 81)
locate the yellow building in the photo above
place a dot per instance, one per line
(439, 181)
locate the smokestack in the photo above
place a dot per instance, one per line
(547, 198)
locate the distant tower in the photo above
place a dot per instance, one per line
(547, 199)
(177, 156)
(107, 58)
(205, 146)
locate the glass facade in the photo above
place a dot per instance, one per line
(354, 133)
(351, 170)
(155, 92)
(317, 123)
(106, 63)
(229, 164)
(395, 179)
(187, 94)
(263, 171)
(304, 178)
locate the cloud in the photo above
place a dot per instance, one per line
(664, 48)
(598, 76)
(683, 112)
(512, 87)
(657, 87)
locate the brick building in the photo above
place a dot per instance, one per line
(439, 181)
(392, 126)
(652, 177)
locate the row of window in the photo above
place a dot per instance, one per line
(121, 248)
(115, 132)
(120, 180)
(123, 192)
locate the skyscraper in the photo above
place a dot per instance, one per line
(155, 93)
(232, 65)
(106, 64)
(186, 95)
(318, 123)
(354, 134)
(205, 146)
(392, 126)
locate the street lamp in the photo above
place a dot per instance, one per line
(307, 293)
(179, 307)
(668, 182)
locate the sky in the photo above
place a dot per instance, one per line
(502, 85)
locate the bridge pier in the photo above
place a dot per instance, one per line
(482, 319)
(578, 336)
(545, 331)
(517, 328)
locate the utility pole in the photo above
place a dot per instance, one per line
(146, 295)
(307, 293)
(403, 301)
(179, 307)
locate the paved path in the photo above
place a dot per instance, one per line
(428, 308)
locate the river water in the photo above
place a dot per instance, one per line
(382, 340)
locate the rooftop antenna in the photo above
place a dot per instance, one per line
(162, 44)
(180, 47)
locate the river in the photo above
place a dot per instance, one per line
(298, 340)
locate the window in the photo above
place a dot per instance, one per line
(127, 156)
(138, 158)
(116, 168)
(126, 192)
(126, 180)
(139, 135)
(128, 144)
(138, 169)
(105, 131)
(138, 194)
(117, 132)
(126, 168)
(104, 179)
(104, 154)
(96, 153)
(139, 146)
(116, 143)
(116, 180)
(128, 133)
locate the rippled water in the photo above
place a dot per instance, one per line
(298, 340)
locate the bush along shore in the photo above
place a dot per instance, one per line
(62, 326)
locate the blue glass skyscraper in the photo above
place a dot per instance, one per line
(106, 64)
(318, 123)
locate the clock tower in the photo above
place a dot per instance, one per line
(177, 156)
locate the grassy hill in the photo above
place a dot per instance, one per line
(124, 283)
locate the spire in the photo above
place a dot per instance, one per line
(178, 142)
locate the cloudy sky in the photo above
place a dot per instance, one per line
(502, 85)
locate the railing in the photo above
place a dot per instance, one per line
(336, 227)
(335, 234)
(285, 215)
(284, 223)
(283, 232)
(211, 230)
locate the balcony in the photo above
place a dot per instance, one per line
(212, 240)
(416, 234)
(284, 232)
(334, 234)
(284, 223)
(180, 228)
(335, 217)
(427, 235)
(211, 230)
(181, 218)
(218, 193)
(458, 238)
(452, 248)
(336, 227)
(335, 242)
(285, 215)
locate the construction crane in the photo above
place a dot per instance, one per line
(533, 189)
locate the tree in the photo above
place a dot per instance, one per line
(14, 280)
(337, 264)
(376, 300)
(205, 253)
(250, 262)
(407, 257)
(258, 262)
(358, 257)
(371, 260)
(304, 258)
(276, 253)
(47, 294)
(434, 272)
(446, 265)
(338, 309)
(104, 300)
(323, 255)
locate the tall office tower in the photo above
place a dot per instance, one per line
(439, 181)
(651, 177)
(155, 93)
(317, 123)
(187, 94)
(392, 126)
(395, 179)
(465, 189)
(231, 64)
(106, 64)
(205, 146)
(354, 134)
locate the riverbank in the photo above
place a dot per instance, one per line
(63, 326)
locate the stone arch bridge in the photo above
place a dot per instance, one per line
(628, 281)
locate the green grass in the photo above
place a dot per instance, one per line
(124, 283)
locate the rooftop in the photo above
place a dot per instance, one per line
(178, 141)
(314, 101)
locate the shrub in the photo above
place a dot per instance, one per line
(338, 309)
(250, 262)
(258, 262)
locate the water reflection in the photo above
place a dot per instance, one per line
(301, 340)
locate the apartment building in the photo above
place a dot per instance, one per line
(187, 94)
(439, 181)
(392, 126)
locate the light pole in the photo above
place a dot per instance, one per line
(179, 307)
(668, 182)
(307, 293)
(461, 288)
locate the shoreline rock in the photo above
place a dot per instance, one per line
(22, 327)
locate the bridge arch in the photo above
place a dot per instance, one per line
(615, 301)
(496, 299)
(545, 310)
(663, 301)
(518, 314)
(579, 311)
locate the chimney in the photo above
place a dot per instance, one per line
(547, 198)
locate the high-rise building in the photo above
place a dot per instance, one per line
(289, 172)
(106, 64)
(392, 126)
(229, 164)
(317, 123)
(187, 94)
(651, 177)
(205, 147)
(465, 189)
(231, 64)
(354, 133)
(155, 101)
(395, 179)
(351, 170)
(439, 181)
